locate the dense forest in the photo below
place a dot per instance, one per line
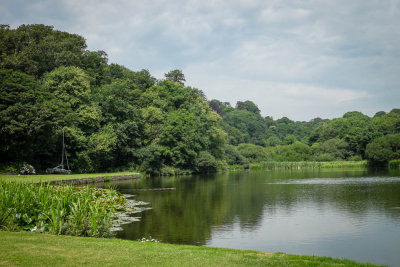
(115, 118)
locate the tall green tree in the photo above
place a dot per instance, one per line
(176, 76)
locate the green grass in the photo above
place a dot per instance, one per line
(30, 249)
(54, 177)
(276, 165)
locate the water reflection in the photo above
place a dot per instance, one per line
(340, 213)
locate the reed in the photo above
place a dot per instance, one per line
(277, 165)
(78, 211)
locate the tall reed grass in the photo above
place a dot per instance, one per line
(78, 211)
(276, 165)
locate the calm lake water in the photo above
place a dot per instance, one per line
(352, 214)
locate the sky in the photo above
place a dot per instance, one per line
(300, 59)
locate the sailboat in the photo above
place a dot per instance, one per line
(60, 168)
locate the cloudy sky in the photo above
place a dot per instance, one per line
(299, 59)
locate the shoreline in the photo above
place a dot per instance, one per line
(93, 180)
(74, 179)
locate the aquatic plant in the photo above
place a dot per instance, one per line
(78, 211)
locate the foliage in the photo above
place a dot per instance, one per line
(205, 162)
(356, 129)
(232, 156)
(249, 106)
(176, 76)
(332, 149)
(114, 117)
(27, 169)
(293, 152)
(383, 149)
(394, 164)
(37, 49)
(253, 153)
(58, 210)
(248, 124)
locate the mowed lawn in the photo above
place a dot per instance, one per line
(31, 249)
(53, 177)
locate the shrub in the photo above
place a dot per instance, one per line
(253, 153)
(27, 169)
(205, 162)
(394, 164)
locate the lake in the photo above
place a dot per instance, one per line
(346, 213)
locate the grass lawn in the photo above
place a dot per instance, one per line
(31, 249)
(53, 177)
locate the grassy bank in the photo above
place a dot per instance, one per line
(30, 249)
(55, 177)
(276, 165)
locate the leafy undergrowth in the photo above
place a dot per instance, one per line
(30, 249)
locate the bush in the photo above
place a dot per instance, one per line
(205, 162)
(394, 164)
(233, 157)
(253, 153)
(27, 169)
(222, 165)
(383, 149)
(294, 152)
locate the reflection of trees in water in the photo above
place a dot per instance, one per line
(199, 203)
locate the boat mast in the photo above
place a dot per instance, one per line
(62, 153)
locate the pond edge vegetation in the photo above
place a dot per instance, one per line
(61, 209)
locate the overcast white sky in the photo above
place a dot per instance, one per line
(301, 59)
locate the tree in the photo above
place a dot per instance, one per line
(355, 128)
(37, 49)
(249, 106)
(19, 94)
(175, 76)
(293, 152)
(71, 85)
(221, 108)
(254, 153)
(333, 149)
(250, 125)
(289, 139)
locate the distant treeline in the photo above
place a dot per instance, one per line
(115, 118)
(353, 137)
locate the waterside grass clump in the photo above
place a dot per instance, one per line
(60, 210)
(277, 165)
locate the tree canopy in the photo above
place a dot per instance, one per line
(115, 118)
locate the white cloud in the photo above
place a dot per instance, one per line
(272, 52)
